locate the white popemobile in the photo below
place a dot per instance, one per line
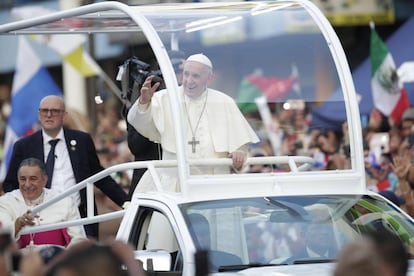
(291, 219)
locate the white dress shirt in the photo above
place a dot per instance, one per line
(63, 177)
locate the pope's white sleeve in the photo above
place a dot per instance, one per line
(142, 120)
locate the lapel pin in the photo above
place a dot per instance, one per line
(73, 145)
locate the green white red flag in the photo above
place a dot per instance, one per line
(253, 87)
(388, 94)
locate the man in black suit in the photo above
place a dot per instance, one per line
(75, 157)
(143, 150)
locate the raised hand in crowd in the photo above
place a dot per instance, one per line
(403, 169)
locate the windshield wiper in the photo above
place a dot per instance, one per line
(225, 268)
(314, 261)
(294, 210)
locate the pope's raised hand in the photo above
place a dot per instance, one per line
(148, 90)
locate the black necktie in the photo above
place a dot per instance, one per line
(50, 161)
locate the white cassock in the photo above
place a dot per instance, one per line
(13, 205)
(217, 126)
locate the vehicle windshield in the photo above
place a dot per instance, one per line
(280, 62)
(289, 229)
(273, 60)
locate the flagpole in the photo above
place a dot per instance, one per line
(111, 85)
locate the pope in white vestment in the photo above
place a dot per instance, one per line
(214, 126)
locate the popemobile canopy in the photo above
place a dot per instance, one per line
(270, 56)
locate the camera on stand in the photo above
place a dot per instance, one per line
(132, 75)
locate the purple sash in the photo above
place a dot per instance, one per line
(58, 237)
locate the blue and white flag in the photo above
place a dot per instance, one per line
(31, 83)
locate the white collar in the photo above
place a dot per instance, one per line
(200, 99)
(47, 138)
(36, 201)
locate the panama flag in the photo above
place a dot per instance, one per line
(388, 94)
(31, 83)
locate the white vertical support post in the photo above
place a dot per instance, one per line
(89, 200)
(74, 84)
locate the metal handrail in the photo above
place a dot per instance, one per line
(292, 161)
(307, 162)
(65, 224)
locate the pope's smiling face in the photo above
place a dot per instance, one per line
(196, 77)
(31, 181)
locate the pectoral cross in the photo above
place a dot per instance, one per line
(193, 144)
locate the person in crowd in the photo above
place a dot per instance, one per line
(297, 135)
(109, 258)
(358, 258)
(259, 168)
(378, 122)
(406, 132)
(393, 254)
(15, 209)
(90, 258)
(74, 158)
(407, 122)
(405, 172)
(394, 142)
(214, 126)
(329, 154)
(379, 253)
(383, 173)
(8, 249)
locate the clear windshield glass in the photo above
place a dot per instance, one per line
(296, 229)
(271, 58)
(274, 62)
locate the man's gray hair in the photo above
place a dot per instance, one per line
(33, 162)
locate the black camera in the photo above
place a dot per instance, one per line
(134, 75)
(140, 70)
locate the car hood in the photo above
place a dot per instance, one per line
(314, 269)
(325, 269)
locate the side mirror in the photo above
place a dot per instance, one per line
(154, 260)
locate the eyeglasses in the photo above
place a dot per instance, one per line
(53, 112)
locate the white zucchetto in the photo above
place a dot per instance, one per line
(201, 59)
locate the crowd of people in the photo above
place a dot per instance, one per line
(389, 164)
(78, 155)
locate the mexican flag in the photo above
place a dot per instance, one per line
(389, 96)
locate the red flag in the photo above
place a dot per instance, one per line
(273, 88)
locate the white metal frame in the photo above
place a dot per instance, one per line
(279, 183)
